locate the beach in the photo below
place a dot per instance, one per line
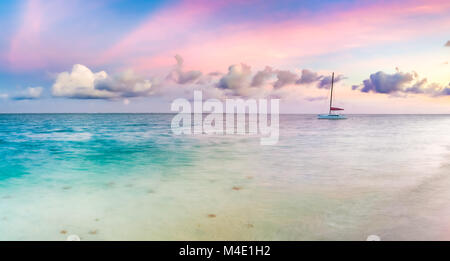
(127, 177)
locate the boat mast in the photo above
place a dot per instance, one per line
(331, 98)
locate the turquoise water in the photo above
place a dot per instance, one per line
(127, 177)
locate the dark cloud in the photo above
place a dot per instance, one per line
(381, 82)
(285, 78)
(239, 81)
(399, 82)
(419, 87)
(308, 77)
(182, 77)
(215, 74)
(325, 81)
(262, 76)
(445, 91)
(238, 77)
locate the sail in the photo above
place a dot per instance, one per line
(332, 116)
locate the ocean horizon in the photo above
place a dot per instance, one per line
(205, 113)
(128, 177)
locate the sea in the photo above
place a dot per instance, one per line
(129, 177)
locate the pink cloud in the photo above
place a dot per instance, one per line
(208, 39)
(168, 29)
(42, 39)
(28, 37)
(181, 30)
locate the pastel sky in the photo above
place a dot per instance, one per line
(138, 56)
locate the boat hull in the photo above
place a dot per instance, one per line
(331, 117)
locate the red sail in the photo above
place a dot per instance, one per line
(336, 109)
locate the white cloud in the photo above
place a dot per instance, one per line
(125, 84)
(3, 96)
(30, 93)
(238, 77)
(238, 81)
(80, 84)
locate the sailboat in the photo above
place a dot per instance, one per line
(331, 114)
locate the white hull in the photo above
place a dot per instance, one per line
(331, 117)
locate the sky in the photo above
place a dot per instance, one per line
(138, 56)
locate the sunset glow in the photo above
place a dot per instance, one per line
(354, 39)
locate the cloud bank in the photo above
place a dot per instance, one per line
(239, 81)
(401, 83)
(82, 83)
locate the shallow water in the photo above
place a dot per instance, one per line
(127, 177)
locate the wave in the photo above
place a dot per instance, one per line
(61, 136)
